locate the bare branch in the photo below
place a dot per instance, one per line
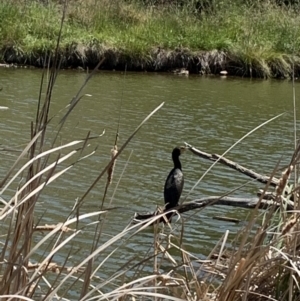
(248, 172)
(249, 203)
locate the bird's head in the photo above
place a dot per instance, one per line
(177, 151)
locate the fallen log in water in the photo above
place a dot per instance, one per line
(249, 203)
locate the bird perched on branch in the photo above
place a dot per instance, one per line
(174, 182)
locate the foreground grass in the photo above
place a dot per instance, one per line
(257, 40)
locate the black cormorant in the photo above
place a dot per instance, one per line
(174, 182)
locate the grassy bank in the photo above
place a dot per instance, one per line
(260, 39)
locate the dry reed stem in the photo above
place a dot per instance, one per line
(110, 170)
(284, 180)
(52, 267)
(52, 227)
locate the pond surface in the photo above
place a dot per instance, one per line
(208, 113)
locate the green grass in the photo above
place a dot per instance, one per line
(255, 36)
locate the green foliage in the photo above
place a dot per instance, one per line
(254, 31)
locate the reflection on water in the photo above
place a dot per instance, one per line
(209, 113)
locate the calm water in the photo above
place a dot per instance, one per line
(209, 113)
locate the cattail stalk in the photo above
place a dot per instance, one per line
(283, 180)
(110, 171)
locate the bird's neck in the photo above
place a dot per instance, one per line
(177, 163)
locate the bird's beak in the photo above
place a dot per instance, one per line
(182, 149)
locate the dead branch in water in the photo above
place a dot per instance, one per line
(248, 172)
(248, 203)
(227, 219)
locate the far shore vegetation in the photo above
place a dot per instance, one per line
(246, 38)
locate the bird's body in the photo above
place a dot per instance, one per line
(174, 182)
